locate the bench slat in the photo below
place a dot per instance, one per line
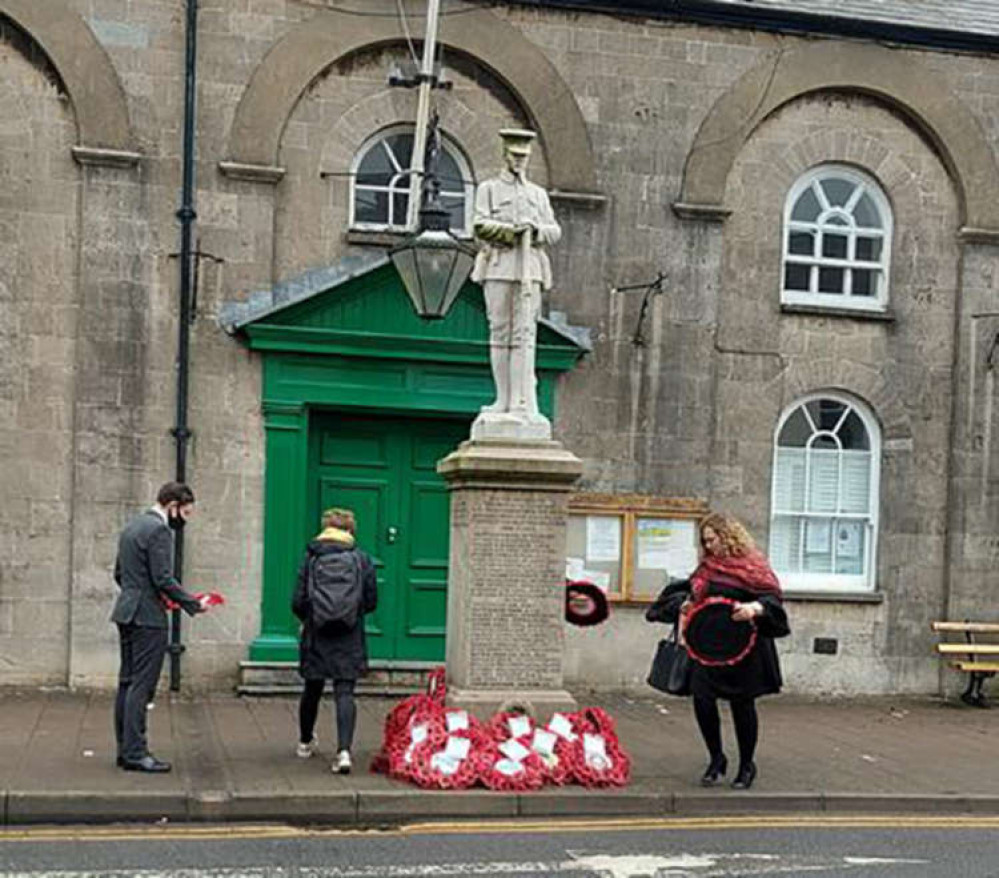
(978, 667)
(958, 648)
(973, 627)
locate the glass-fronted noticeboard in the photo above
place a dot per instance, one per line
(631, 545)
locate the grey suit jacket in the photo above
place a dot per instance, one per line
(144, 573)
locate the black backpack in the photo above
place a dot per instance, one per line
(335, 589)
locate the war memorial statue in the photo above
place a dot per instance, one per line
(513, 221)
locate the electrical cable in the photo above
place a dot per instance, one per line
(405, 29)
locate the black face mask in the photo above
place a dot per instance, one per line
(176, 522)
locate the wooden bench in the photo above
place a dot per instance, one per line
(979, 660)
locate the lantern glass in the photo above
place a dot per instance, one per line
(433, 266)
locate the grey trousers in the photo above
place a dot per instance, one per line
(142, 652)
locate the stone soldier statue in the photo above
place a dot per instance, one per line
(513, 221)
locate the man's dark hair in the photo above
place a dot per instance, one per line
(175, 492)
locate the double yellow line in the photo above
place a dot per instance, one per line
(177, 832)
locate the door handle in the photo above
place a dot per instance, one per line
(391, 534)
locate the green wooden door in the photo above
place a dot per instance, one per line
(384, 469)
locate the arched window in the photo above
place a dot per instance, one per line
(824, 502)
(380, 187)
(837, 241)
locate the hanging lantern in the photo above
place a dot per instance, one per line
(433, 265)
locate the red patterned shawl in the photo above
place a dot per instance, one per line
(751, 572)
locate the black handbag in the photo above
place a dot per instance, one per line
(671, 667)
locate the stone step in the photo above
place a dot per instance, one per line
(384, 678)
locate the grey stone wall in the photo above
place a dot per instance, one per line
(38, 321)
(88, 317)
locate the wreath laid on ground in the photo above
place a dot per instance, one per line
(437, 747)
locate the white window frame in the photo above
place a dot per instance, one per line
(832, 582)
(865, 184)
(398, 182)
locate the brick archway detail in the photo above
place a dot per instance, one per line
(885, 74)
(84, 67)
(314, 45)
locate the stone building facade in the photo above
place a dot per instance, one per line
(669, 142)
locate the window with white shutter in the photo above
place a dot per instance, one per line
(823, 523)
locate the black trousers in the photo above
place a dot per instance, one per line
(142, 652)
(346, 711)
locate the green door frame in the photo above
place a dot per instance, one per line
(322, 354)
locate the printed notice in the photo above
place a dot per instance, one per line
(667, 544)
(603, 538)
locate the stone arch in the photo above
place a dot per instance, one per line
(864, 384)
(313, 46)
(883, 73)
(85, 69)
(478, 145)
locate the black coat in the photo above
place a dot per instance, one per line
(339, 654)
(759, 672)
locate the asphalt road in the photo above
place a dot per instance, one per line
(857, 847)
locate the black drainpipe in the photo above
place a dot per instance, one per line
(187, 216)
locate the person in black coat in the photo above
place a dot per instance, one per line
(731, 567)
(144, 572)
(337, 652)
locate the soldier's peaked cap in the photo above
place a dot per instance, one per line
(518, 140)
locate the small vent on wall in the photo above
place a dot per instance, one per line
(825, 645)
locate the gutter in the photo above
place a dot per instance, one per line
(710, 12)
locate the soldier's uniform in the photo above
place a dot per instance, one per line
(503, 205)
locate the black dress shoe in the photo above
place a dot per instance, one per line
(149, 764)
(716, 769)
(744, 779)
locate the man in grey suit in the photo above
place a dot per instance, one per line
(144, 573)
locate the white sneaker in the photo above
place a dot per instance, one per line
(342, 764)
(304, 751)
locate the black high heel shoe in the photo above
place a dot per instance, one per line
(716, 769)
(744, 779)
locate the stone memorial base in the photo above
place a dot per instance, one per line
(506, 581)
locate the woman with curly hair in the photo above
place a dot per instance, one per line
(732, 567)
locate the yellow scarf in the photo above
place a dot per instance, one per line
(334, 534)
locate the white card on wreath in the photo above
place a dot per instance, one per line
(514, 750)
(561, 726)
(457, 720)
(519, 726)
(509, 767)
(457, 748)
(595, 752)
(444, 763)
(544, 742)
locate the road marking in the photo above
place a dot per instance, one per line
(679, 865)
(162, 832)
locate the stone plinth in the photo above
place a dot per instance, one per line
(506, 603)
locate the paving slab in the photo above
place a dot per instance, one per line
(234, 759)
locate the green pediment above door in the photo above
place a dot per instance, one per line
(362, 310)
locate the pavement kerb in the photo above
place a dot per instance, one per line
(77, 806)
(613, 803)
(910, 803)
(741, 802)
(333, 808)
(400, 806)
(394, 807)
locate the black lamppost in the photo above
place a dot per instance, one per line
(433, 263)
